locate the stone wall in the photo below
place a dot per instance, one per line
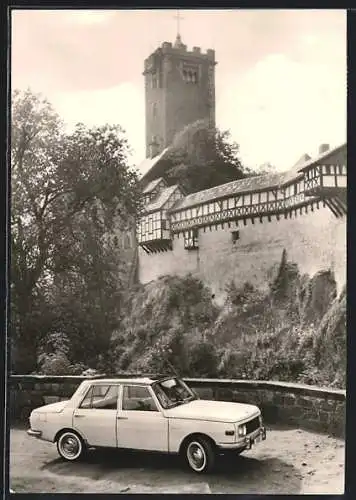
(315, 241)
(308, 407)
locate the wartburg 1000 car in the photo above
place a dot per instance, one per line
(162, 415)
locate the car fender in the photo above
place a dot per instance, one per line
(179, 429)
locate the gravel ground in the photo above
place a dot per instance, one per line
(290, 461)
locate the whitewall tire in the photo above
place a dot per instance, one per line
(200, 455)
(70, 446)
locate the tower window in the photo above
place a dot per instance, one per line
(190, 73)
(190, 76)
(154, 110)
(154, 80)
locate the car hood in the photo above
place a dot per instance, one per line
(52, 408)
(222, 411)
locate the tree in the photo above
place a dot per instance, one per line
(202, 157)
(70, 191)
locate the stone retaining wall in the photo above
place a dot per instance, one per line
(304, 406)
(308, 407)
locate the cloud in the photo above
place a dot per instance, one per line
(281, 106)
(281, 83)
(122, 105)
(87, 16)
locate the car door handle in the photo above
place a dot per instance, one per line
(122, 418)
(79, 416)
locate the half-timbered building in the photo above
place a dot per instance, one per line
(235, 231)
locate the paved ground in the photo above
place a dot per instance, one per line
(290, 461)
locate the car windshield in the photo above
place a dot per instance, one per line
(172, 392)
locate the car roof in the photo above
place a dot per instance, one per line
(140, 380)
(126, 380)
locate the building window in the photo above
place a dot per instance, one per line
(235, 235)
(190, 73)
(128, 241)
(154, 110)
(263, 197)
(191, 239)
(154, 80)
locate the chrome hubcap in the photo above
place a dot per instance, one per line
(70, 446)
(196, 456)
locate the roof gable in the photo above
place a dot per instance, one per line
(162, 198)
(325, 157)
(151, 186)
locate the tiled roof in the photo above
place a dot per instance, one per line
(303, 159)
(234, 187)
(145, 166)
(322, 157)
(252, 184)
(162, 199)
(152, 185)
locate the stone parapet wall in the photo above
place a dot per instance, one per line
(282, 403)
(308, 407)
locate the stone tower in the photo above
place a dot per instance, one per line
(180, 89)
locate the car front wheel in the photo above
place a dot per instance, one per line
(200, 455)
(70, 446)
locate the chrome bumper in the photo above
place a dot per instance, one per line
(247, 441)
(32, 433)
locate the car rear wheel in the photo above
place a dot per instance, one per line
(70, 446)
(200, 455)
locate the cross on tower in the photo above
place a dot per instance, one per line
(178, 18)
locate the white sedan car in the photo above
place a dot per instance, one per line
(162, 415)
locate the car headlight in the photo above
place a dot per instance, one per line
(241, 430)
(261, 420)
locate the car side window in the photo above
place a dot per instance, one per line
(103, 397)
(137, 398)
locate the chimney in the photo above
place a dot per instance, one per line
(323, 148)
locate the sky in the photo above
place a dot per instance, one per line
(280, 77)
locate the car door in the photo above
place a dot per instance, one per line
(140, 423)
(95, 417)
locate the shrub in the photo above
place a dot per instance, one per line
(172, 324)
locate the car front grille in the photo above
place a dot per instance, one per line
(252, 425)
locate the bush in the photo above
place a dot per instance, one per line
(54, 364)
(203, 360)
(172, 325)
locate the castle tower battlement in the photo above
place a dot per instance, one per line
(180, 89)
